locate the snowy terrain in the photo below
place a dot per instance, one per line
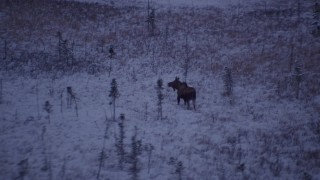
(269, 128)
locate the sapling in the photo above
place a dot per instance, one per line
(46, 161)
(160, 98)
(148, 17)
(6, 58)
(50, 167)
(37, 96)
(316, 20)
(276, 167)
(151, 20)
(102, 157)
(71, 97)
(61, 102)
(23, 169)
(240, 166)
(63, 168)
(76, 106)
(109, 69)
(65, 52)
(111, 56)
(48, 108)
(146, 112)
(114, 94)
(291, 56)
(43, 132)
(1, 92)
(178, 165)
(134, 75)
(5, 51)
(119, 144)
(149, 148)
(179, 169)
(111, 52)
(298, 76)
(228, 82)
(135, 152)
(298, 11)
(187, 60)
(102, 154)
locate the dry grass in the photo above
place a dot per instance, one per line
(254, 44)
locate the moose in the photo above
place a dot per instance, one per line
(184, 92)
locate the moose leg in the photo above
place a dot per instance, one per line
(178, 100)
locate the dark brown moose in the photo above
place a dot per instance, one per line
(184, 92)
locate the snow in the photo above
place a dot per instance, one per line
(261, 132)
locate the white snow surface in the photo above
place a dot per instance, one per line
(257, 136)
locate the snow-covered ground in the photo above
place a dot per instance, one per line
(211, 142)
(261, 132)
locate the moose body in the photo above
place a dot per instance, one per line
(184, 92)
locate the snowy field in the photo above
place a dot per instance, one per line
(269, 128)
